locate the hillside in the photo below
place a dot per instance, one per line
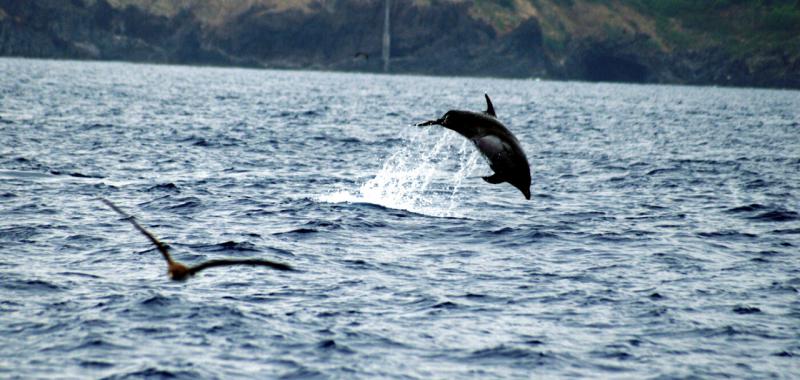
(724, 42)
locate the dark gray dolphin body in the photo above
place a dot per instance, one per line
(500, 147)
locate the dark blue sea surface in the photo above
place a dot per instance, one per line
(662, 239)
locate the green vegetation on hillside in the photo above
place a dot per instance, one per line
(740, 25)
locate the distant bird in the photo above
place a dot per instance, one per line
(500, 147)
(180, 272)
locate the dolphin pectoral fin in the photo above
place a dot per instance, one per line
(494, 179)
(489, 106)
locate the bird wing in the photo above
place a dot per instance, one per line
(228, 262)
(161, 246)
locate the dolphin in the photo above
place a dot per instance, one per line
(178, 271)
(500, 147)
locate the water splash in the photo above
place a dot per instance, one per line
(424, 176)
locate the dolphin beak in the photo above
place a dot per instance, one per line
(431, 122)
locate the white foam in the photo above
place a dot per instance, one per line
(424, 176)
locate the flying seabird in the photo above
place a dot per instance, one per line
(180, 272)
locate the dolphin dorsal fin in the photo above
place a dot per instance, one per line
(489, 106)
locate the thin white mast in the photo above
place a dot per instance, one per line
(386, 38)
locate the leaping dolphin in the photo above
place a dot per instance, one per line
(180, 272)
(500, 147)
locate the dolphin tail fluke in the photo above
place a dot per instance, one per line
(489, 106)
(494, 179)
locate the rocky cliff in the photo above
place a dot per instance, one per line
(745, 43)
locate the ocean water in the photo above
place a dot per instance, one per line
(661, 240)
